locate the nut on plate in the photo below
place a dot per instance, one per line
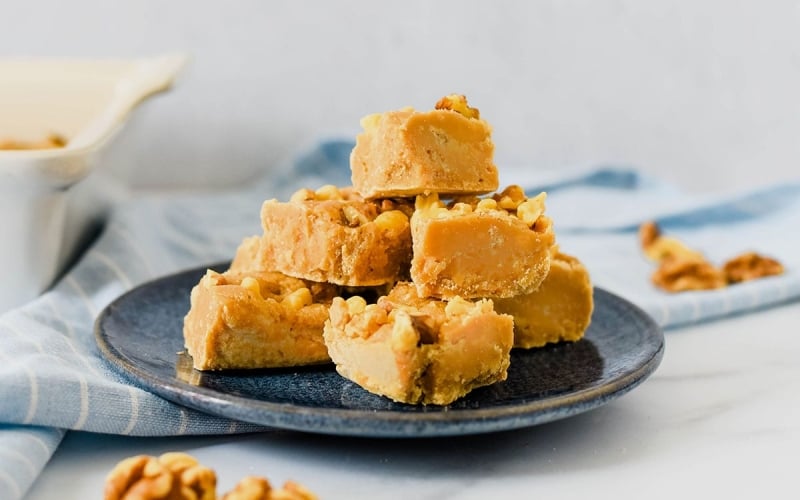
(750, 266)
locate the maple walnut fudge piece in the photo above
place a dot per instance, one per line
(405, 153)
(490, 247)
(256, 320)
(416, 350)
(559, 310)
(334, 236)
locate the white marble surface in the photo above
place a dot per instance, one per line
(720, 418)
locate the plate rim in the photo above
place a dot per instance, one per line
(233, 406)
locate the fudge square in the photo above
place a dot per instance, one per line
(332, 235)
(403, 153)
(256, 320)
(419, 350)
(559, 310)
(490, 247)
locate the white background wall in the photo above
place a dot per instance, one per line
(703, 93)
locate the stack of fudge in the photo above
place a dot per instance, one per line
(416, 281)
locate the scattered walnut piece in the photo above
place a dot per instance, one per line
(178, 476)
(258, 488)
(196, 481)
(665, 247)
(250, 488)
(658, 247)
(680, 275)
(649, 232)
(681, 268)
(293, 491)
(172, 476)
(750, 266)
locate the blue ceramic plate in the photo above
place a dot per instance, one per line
(141, 335)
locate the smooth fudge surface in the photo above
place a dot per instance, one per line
(477, 248)
(407, 152)
(559, 310)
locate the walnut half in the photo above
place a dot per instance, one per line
(658, 247)
(178, 476)
(750, 266)
(258, 488)
(680, 275)
(172, 476)
(681, 268)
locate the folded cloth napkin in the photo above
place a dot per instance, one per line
(52, 377)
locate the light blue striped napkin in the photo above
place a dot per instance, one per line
(52, 377)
